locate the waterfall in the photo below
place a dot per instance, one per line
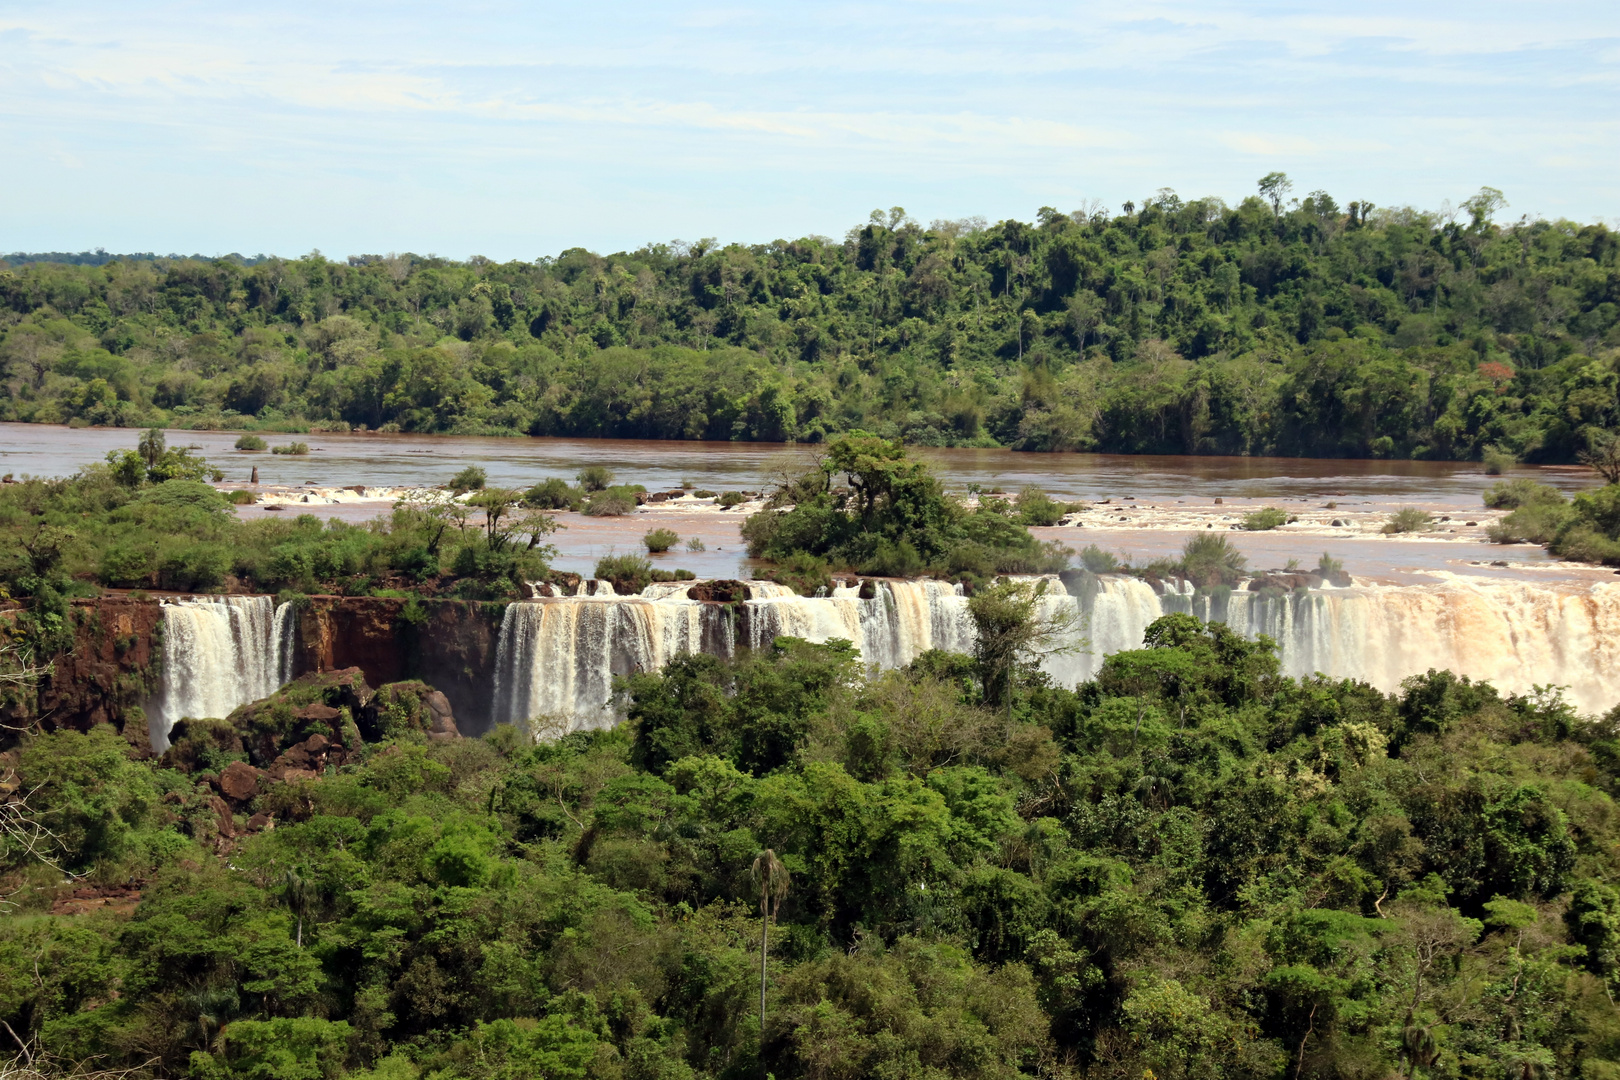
(557, 657)
(218, 653)
(903, 620)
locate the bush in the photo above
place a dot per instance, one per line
(703, 493)
(1036, 507)
(552, 493)
(695, 544)
(1582, 543)
(296, 449)
(1409, 519)
(731, 498)
(628, 573)
(1210, 559)
(1512, 494)
(239, 497)
(1327, 564)
(127, 566)
(1534, 523)
(803, 573)
(1098, 561)
(659, 541)
(594, 477)
(1496, 460)
(472, 478)
(1264, 519)
(250, 442)
(611, 503)
(888, 559)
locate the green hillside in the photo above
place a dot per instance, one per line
(1283, 326)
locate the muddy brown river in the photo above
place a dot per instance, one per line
(1155, 494)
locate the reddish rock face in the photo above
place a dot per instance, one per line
(454, 650)
(110, 670)
(113, 667)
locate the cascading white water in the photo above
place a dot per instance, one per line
(558, 657)
(903, 620)
(218, 653)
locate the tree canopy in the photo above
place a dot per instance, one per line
(1279, 325)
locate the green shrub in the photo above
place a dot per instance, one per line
(287, 1048)
(1512, 494)
(1582, 543)
(1098, 561)
(1408, 519)
(628, 573)
(1209, 558)
(703, 493)
(552, 493)
(1036, 507)
(802, 572)
(240, 497)
(732, 498)
(659, 541)
(1264, 519)
(694, 544)
(1497, 460)
(128, 565)
(1533, 523)
(610, 503)
(296, 449)
(594, 477)
(890, 559)
(472, 478)
(250, 442)
(1327, 564)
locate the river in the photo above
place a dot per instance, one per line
(1367, 488)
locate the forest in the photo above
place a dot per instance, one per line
(1191, 867)
(1281, 325)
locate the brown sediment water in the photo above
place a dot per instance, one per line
(1162, 499)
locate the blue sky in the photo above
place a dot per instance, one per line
(518, 130)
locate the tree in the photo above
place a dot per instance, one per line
(1603, 454)
(1483, 205)
(1015, 625)
(1274, 188)
(151, 447)
(772, 879)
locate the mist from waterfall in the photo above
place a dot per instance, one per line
(557, 657)
(218, 653)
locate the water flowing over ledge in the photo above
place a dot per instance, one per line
(557, 657)
(218, 653)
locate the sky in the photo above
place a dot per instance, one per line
(516, 130)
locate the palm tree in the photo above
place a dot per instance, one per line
(772, 879)
(151, 446)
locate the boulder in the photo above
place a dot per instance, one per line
(724, 591)
(239, 781)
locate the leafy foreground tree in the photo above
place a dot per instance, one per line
(1190, 867)
(869, 505)
(1281, 325)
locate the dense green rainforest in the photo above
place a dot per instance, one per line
(1285, 326)
(1191, 868)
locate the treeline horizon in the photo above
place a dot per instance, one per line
(1284, 326)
